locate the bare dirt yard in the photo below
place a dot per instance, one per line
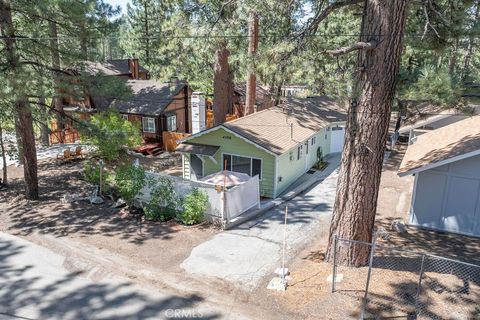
(450, 290)
(82, 226)
(99, 241)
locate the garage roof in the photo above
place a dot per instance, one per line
(451, 143)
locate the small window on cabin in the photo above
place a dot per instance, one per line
(172, 122)
(125, 117)
(148, 124)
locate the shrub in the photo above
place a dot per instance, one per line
(109, 132)
(194, 206)
(129, 180)
(164, 201)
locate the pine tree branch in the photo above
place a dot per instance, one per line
(356, 46)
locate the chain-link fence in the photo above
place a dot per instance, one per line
(390, 282)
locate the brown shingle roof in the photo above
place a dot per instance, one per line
(442, 144)
(272, 128)
(149, 97)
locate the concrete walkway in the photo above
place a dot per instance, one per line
(37, 283)
(246, 254)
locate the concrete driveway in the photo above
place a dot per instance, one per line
(253, 250)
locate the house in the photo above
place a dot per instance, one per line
(297, 90)
(159, 107)
(279, 144)
(421, 118)
(446, 166)
(80, 99)
(263, 98)
(124, 68)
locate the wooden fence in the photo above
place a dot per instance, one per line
(170, 139)
(64, 136)
(209, 119)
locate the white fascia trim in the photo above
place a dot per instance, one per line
(440, 163)
(230, 131)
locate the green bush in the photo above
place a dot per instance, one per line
(164, 201)
(194, 206)
(109, 132)
(129, 180)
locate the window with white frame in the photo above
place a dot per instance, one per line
(172, 122)
(313, 140)
(306, 147)
(125, 117)
(148, 124)
(250, 166)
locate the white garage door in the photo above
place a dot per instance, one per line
(336, 141)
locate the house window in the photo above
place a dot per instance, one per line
(148, 124)
(299, 152)
(172, 122)
(306, 147)
(125, 117)
(250, 166)
(313, 140)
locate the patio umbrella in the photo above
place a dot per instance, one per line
(231, 178)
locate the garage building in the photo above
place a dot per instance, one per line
(446, 165)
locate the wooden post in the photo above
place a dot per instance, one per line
(252, 51)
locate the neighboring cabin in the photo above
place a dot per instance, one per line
(159, 107)
(263, 98)
(424, 117)
(446, 165)
(279, 144)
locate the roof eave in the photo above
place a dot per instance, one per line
(438, 164)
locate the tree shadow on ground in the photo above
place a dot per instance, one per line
(50, 215)
(24, 293)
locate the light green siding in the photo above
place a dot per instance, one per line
(231, 144)
(290, 168)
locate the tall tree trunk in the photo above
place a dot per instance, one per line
(250, 98)
(24, 124)
(44, 129)
(471, 43)
(367, 126)
(18, 137)
(55, 55)
(452, 64)
(29, 150)
(147, 35)
(4, 156)
(222, 85)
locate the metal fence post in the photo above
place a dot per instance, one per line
(417, 296)
(370, 263)
(334, 273)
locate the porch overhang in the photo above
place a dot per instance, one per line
(196, 148)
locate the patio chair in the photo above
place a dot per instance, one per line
(78, 153)
(65, 156)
